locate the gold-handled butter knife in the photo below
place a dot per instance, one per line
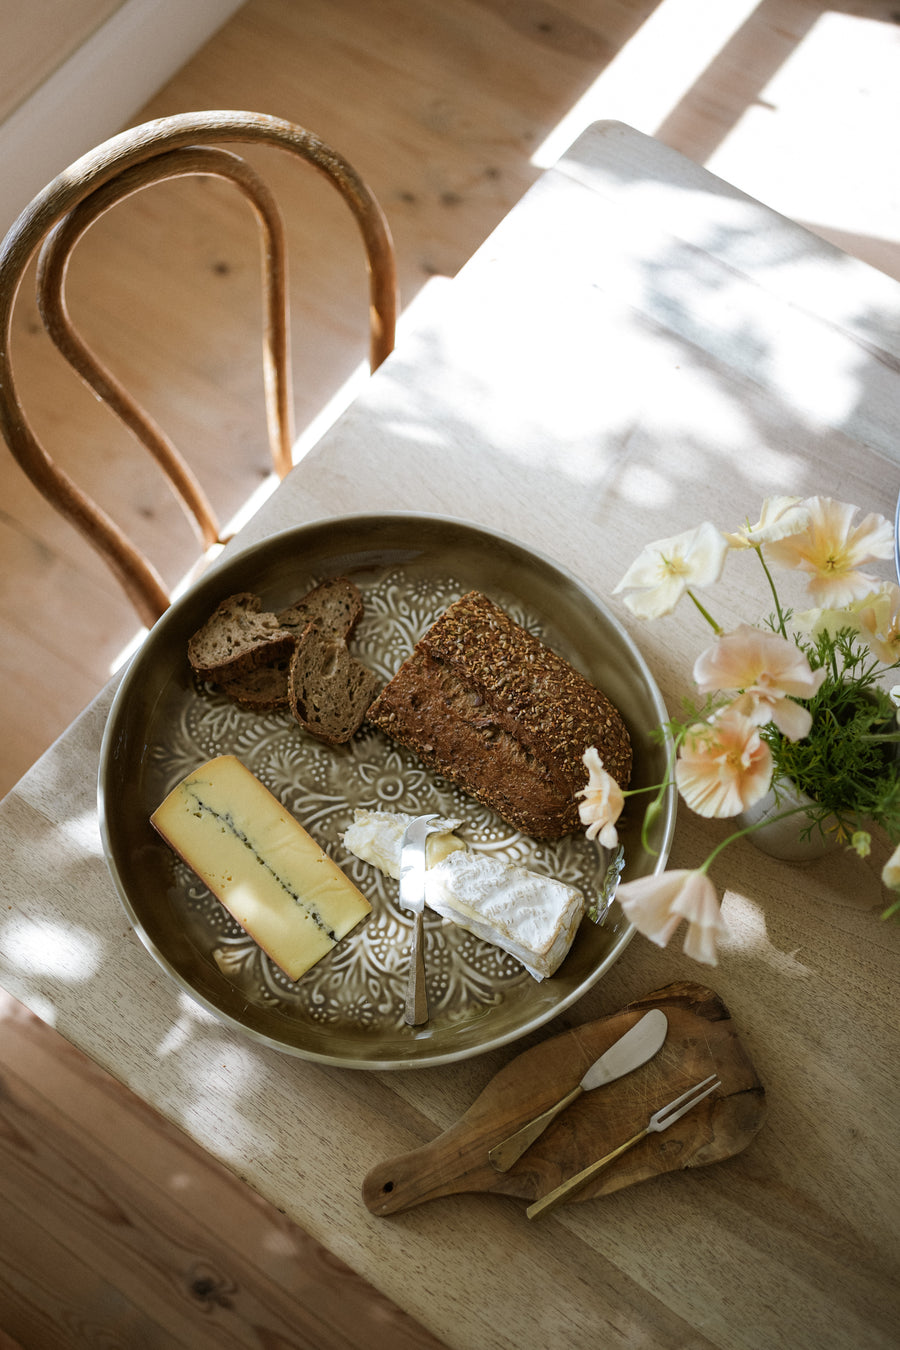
(630, 1051)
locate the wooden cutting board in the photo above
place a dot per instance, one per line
(701, 1039)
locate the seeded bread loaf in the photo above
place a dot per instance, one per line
(328, 689)
(491, 708)
(335, 605)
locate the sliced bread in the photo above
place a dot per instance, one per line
(237, 637)
(328, 689)
(335, 605)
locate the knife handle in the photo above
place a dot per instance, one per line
(562, 1192)
(503, 1155)
(416, 997)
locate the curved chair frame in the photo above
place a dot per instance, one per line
(187, 144)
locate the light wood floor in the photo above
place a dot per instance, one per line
(448, 108)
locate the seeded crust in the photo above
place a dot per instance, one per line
(489, 707)
(336, 605)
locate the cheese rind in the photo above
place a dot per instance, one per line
(532, 917)
(270, 875)
(376, 837)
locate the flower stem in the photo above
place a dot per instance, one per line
(705, 612)
(782, 626)
(750, 829)
(655, 806)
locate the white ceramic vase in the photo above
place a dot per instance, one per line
(783, 836)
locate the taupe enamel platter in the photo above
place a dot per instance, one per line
(349, 1009)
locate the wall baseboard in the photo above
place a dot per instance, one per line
(98, 90)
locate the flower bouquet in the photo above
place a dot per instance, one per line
(796, 707)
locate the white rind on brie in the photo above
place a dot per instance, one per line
(532, 917)
(376, 837)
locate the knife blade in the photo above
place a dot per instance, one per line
(412, 897)
(629, 1052)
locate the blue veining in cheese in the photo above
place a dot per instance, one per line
(271, 876)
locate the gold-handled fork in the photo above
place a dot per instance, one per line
(660, 1120)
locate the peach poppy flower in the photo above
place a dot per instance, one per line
(768, 671)
(603, 801)
(779, 516)
(832, 550)
(723, 765)
(656, 905)
(663, 571)
(890, 873)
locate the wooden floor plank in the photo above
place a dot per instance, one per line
(113, 1223)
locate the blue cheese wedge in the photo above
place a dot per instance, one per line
(376, 837)
(270, 875)
(532, 917)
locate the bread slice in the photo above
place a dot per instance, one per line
(264, 689)
(237, 637)
(335, 605)
(491, 708)
(328, 689)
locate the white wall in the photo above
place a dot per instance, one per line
(99, 89)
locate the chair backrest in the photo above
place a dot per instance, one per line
(187, 144)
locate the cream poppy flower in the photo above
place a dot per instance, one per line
(878, 618)
(663, 571)
(656, 905)
(723, 765)
(890, 873)
(768, 671)
(832, 550)
(779, 516)
(603, 801)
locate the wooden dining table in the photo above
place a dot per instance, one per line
(637, 348)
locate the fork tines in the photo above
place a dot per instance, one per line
(666, 1115)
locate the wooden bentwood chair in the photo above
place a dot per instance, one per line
(172, 147)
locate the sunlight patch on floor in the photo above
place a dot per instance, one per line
(652, 73)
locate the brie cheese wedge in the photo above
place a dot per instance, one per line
(532, 917)
(376, 837)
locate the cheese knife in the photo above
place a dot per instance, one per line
(629, 1052)
(412, 897)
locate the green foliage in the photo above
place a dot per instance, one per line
(848, 763)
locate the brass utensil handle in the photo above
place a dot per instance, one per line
(567, 1188)
(416, 996)
(503, 1155)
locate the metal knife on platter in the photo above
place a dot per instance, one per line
(640, 1043)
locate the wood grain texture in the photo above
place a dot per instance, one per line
(38, 37)
(701, 1039)
(114, 1227)
(441, 108)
